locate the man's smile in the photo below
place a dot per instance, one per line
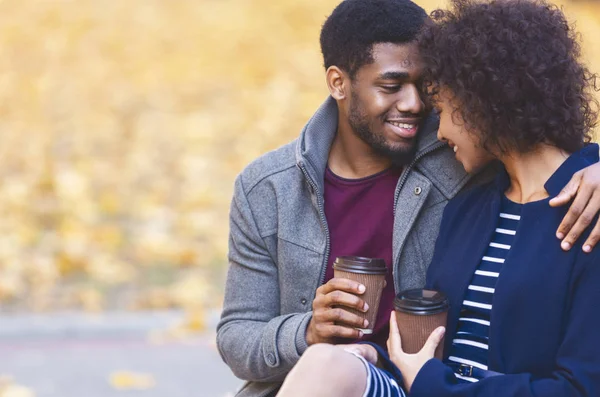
(406, 129)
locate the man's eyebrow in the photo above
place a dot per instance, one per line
(393, 76)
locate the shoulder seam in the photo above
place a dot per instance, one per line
(267, 175)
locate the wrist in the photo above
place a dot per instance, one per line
(409, 373)
(300, 337)
(309, 335)
(408, 379)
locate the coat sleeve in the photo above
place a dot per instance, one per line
(254, 340)
(577, 369)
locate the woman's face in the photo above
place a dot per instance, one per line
(465, 144)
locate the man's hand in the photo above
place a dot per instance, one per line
(411, 364)
(337, 292)
(584, 187)
(364, 350)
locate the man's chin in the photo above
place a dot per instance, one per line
(401, 157)
(402, 154)
(399, 150)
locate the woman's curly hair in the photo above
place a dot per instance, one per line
(513, 70)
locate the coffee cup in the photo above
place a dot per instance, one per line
(418, 313)
(371, 273)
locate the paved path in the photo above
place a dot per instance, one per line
(74, 355)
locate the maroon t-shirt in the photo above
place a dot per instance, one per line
(360, 216)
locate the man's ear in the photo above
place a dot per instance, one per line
(337, 83)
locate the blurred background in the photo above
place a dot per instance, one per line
(122, 127)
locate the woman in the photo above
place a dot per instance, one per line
(505, 77)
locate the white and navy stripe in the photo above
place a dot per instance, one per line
(470, 345)
(380, 383)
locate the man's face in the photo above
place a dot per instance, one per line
(385, 107)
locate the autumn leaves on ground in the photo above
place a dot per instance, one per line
(123, 125)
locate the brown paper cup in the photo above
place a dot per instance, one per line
(370, 273)
(418, 313)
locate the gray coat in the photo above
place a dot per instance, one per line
(279, 244)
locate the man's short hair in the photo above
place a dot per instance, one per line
(354, 26)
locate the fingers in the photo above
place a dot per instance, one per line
(353, 348)
(568, 191)
(327, 331)
(394, 342)
(339, 298)
(593, 239)
(584, 222)
(367, 351)
(331, 331)
(341, 284)
(340, 292)
(580, 216)
(331, 319)
(433, 341)
(586, 210)
(394, 324)
(575, 210)
(370, 354)
(340, 316)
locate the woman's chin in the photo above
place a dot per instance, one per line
(467, 168)
(473, 167)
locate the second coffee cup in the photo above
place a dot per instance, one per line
(418, 313)
(371, 273)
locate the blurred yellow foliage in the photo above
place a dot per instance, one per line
(125, 380)
(123, 125)
(193, 323)
(9, 389)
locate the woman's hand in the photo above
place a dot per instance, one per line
(364, 350)
(411, 364)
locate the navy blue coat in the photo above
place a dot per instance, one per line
(545, 321)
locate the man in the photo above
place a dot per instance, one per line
(366, 177)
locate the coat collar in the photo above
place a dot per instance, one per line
(577, 161)
(312, 150)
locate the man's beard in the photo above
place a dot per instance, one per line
(400, 155)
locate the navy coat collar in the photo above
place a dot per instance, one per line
(579, 160)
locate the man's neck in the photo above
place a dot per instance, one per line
(351, 158)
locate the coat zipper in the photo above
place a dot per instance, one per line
(399, 187)
(404, 176)
(320, 201)
(320, 205)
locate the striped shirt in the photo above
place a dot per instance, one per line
(470, 345)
